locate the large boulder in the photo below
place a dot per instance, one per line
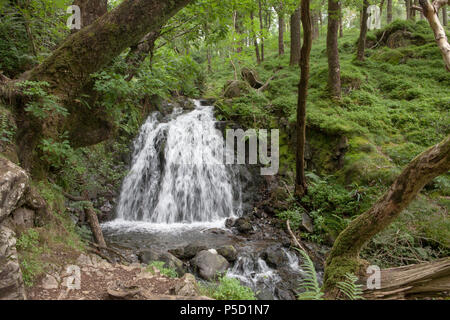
(274, 257)
(243, 225)
(235, 88)
(209, 264)
(11, 283)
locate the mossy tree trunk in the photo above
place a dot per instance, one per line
(91, 10)
(69, 68)
(301, 187)
(334, 68)
(344, 256)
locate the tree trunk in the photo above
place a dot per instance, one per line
(363, 32)
(408, 9)
(301, 187)
(238, 29)
(334, 69)
(344, 255)
(91, 10)
(69, 68)
(381, 7)
(389, 11)
(255, 41)
(315, 26)
(295, 38)
(341, 25)
(261, 26)
(281, 33)
(95, 226)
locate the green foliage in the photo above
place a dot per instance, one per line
(309, 284)
(42, 105)
(227, 289)
(56, 154)
(166, 271)
(7, 128)
(349, 288)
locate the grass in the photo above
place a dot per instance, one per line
(227, 289)
(166, 271)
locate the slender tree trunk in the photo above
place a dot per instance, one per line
(420, 171)
(413, 12)
(381, 7)
(408, 9)
(341, 22)
(389, 11)
(315, 26)
(295, 38)
(301, 188)
(281, 24)
(363, 32)
(255, 40)
(261, 25)
(334, 69)
(238, 30)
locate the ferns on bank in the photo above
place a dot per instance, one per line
(309, 283)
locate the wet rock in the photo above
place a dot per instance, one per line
(228, 252)
(209, 264)
(188, 252)
(187, 286)
(11, 282)
(284, 294)
(243, 225)
(274, 257)
(265, 294)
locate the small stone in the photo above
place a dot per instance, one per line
(49, 282)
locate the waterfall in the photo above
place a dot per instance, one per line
(177, 172)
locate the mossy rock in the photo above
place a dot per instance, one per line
(235, 88)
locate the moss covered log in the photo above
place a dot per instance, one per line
(344, 256)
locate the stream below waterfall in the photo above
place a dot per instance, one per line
(180, 192)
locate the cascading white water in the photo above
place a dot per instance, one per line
(178, 174)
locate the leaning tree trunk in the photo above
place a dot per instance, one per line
(430, 12)
(334, 69)
(295, 38)
(255, 39)
(344, 256)
(301, 187)
(389, 11)
(91, 10)
(68, 70)
(363, 32)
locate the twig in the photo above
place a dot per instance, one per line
(265, 85)
(376, 44)
(297, 243)
(97, 252)
(122, 257)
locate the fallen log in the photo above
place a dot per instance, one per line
(430, 279)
